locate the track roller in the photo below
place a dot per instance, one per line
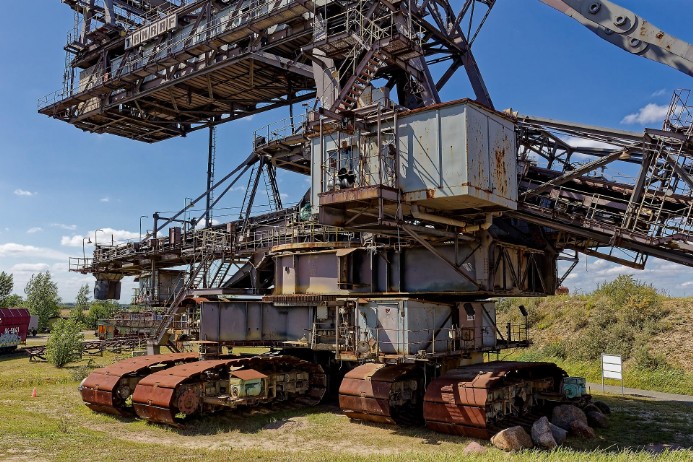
(383, 393)
(480, 400)
(172, 395)
(107, 389)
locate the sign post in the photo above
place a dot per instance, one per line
(612, 368)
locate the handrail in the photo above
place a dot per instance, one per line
(171, 48)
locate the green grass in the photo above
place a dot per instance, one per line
(667, 380)
(57, 426)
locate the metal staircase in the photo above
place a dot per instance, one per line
(211, 264)
(366, 57)
(366, 70)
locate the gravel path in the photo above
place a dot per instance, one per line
(634, 392)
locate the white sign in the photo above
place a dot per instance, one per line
(155, 29)
(612, 368)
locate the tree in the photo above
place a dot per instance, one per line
(6, 286)
(12, 301)
(101, 309)
(65, 342)
(42, 298)
(81, 304)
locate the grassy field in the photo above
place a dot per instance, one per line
(55, 425)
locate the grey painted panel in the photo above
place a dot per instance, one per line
(424, 272)
(253, 321)
(423, 320)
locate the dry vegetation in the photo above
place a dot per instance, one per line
(625, 317)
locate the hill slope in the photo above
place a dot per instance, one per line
(651, 331)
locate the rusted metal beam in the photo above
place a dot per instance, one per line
(570, 175)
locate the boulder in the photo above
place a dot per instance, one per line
(581, 429)
(603, 407)
(512, 439)
(474, 448)
(559, 434)
(542, 434)
(565, 414)
(597, 419)
(590, 408)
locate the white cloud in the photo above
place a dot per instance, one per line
(12, 249)
(29, 268)
(105, 199)
(35, 229)
(577, 142)
(104, 236)
(660, 92)
(74, 241)
(64, 226)
(667, 277)
(23, 192)
(648, 114)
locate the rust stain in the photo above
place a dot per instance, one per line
(501, 175)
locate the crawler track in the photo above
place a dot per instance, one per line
(171, 395)
(480, 400)
(108, 389)
(383, 393)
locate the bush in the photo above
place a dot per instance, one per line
(81, 372)
(643, 358)
(65, 342)
(636, 303)
(556, 350)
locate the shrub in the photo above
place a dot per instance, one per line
(81, 372)
(634, 302)
(643, 358)
(556, 350)
(65, 342)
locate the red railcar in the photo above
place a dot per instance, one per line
(14, 325)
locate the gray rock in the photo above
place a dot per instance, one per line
(512, 439)
(581, 429)
(474, 448)
(597, 419)
(559, 434)
(565, 414)
(603, 407)
(542, 434)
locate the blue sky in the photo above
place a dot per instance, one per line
(58, 184)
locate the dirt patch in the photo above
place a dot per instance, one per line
(285, 425)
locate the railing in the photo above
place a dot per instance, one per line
(176, 46)
(391, 341)
(680, 115)
(80, 264)
(371, 165)
(517, 333)
(610, 210)
(368, 30)
(278, 130)
(286, 228)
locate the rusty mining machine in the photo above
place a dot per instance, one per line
(380, 282)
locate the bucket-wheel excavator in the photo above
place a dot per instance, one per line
(378, 286)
